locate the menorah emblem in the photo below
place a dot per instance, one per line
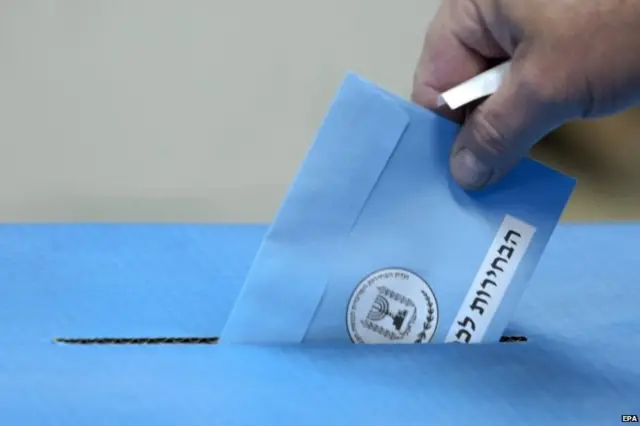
(380, 309)
(392, 306)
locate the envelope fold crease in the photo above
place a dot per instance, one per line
(323, 203)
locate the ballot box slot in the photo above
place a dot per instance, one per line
(138, 341)
(513, 339)
(183, 340)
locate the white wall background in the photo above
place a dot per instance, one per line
(181, 110)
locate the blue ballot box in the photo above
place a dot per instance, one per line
(579, 366)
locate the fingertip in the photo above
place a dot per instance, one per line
(469, 171)
(427, 97)
(423, 95)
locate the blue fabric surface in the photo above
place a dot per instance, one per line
(375, 242)
(110, 280)
(579, 367)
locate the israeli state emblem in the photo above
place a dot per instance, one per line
(392, 306)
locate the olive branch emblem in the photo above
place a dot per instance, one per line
(428, 324)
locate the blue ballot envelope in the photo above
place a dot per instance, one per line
(375, 242)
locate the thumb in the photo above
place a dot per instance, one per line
(502, 130)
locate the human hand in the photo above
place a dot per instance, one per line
(570, 59)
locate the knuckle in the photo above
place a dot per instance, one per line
(542, 85)
(490, 137)
(549, 87)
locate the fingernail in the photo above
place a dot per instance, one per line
(468, 170)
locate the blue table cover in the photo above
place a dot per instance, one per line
(580, 365)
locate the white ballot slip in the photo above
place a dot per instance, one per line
(482, 85)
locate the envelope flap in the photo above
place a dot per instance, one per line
(321, 207)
